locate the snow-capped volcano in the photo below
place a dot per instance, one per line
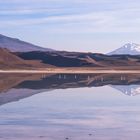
(129, 48)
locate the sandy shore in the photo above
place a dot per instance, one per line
(70, 71)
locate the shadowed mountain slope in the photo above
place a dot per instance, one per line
(77, 59)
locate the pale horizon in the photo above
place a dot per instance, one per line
(98, 26)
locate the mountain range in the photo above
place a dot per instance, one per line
(17, 54)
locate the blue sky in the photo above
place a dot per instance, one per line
(74, 25)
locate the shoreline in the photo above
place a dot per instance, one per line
(72, 71)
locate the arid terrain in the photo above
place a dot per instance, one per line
(14, 59)
(66, 62)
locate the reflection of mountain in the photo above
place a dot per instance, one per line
(8, 90)
(127, 84)
(8, 81)
(60, 81)
(14, 87)
(130, 90)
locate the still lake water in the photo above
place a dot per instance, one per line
(69, 107)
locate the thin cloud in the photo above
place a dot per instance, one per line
(108, 21)
(24, 11)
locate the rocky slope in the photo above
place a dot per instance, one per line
(8, 60)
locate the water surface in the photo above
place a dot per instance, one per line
(74, 107)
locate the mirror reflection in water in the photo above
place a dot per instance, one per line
(69, 106)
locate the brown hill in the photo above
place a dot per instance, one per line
(8, 60)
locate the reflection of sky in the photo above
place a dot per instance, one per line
(81, 25)
(75, 113)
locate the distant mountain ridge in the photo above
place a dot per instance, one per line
(127, 49)
(16, 45)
